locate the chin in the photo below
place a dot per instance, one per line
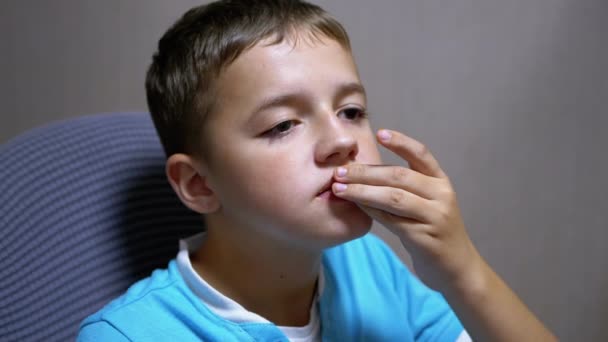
(344, 228)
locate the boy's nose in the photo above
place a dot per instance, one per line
(336, 145)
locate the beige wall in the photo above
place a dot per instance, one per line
(512, 97)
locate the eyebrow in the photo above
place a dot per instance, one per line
(350, 88)
(290, 98)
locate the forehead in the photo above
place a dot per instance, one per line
(296, 64)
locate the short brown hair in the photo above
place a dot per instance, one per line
(207, 38)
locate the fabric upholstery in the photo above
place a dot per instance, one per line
(85, 211)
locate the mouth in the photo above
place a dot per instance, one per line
(325, 189)
(326, 193)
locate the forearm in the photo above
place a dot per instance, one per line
(491, 311)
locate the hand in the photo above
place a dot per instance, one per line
(419, 205)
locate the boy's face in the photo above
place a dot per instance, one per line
(286, 117)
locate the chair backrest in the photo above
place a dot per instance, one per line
(85, 211)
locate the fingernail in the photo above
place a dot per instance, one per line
(384, 135)
(341, 172)
(339, 187)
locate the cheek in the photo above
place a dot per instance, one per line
(373, 156)
(368, 151)
(262, 183)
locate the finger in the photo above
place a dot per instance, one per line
(414, 152)
(410, 232)
(390, 176)
(395, 201)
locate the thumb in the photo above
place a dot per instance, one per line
(409, 231)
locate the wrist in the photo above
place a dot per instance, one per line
(475, 283)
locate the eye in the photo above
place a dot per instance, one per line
(280, 129)
(353, 113)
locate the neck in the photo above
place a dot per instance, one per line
(275, 281)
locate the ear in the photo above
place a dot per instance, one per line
(189, 180)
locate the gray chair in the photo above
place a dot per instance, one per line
(85, 211)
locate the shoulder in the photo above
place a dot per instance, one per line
(100, 331)
(146, 303)
(366, 276)
(163, 308)
(159, 283)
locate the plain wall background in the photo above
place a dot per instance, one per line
(511, 97)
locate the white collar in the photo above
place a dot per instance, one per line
(229, 309)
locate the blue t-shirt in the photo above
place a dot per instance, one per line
(368, 295)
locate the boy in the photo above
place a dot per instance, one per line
(262, 115)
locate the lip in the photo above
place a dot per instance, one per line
(325, 188)
(327, 194)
